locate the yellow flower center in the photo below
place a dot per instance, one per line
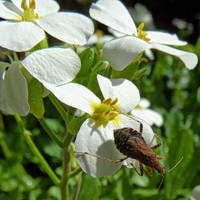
(142, 34)
(29, 13)
(107, 110)
(138, 107)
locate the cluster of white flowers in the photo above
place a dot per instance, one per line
(24, 27)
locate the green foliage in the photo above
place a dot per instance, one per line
(35, 98)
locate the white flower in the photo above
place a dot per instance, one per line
(96, 133)
(121, 51)
(143, 112)
(27, 22)
(54, 66)
(13, 90)
(195, 193)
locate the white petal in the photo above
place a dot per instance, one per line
(164, 38)
(121, 51)
(14, 92)
(100, 141)
(53, 65)
(113, 14)
(195, 193)
(149, 116)
(115, 33)
(75, 95)
(127, 93)
(189, 59)
(9, 11)
(18, 3)
(46, 7)
(144, 103)
(68, 27)
(16, 35)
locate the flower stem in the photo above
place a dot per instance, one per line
(50, 132)
(75, 172)
(58, 106)
(36, 152)
(41, 159)
(66, 167)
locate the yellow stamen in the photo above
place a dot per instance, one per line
(105, 112)
(142, 34)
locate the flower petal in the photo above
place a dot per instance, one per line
(46, 7)
(16, 35)
(113, 14)
(17, 3)
(149, 116)
(53, 65)
(127, 93)
(121, 51)
(195, 193)
(99, 141)
(189, 59)
(9, 11)
(164, 38)
(144, 103)
(75, 95)
(69, 27)
(13, 91)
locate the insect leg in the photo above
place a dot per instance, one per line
(99, 157)
(157, 145)
(141, 169)
(149, 170)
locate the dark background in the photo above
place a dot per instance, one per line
(163, 11)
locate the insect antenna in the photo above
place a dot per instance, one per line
(171, 169)
(168, 171)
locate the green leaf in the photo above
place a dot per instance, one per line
(90, 188)
(139, 74)
(75, 124)
(102, 67)
(87, 62)
(174, 120)
(180, 145)
(35, 100)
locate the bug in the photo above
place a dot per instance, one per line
(131, 143)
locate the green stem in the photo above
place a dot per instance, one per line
(58, 106)
(36, 152)
(50, 132)
(5, 149)
(66, 167)
(75, 172)
(41, 159)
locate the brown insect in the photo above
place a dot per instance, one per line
(131, 143)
